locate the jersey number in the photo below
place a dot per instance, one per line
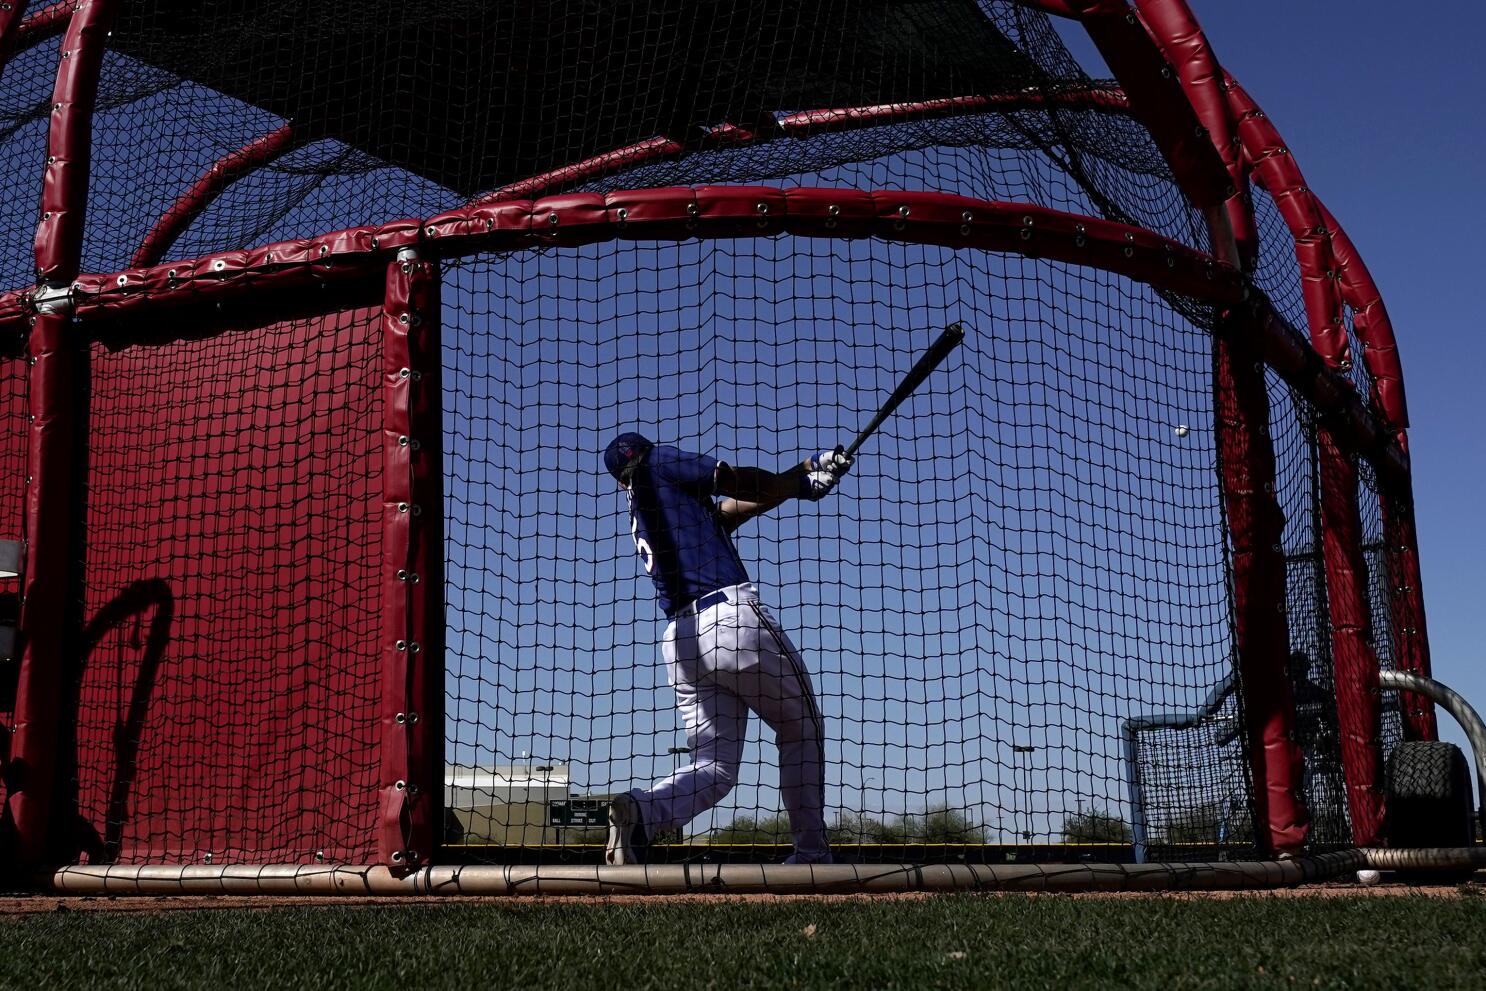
(647, 556)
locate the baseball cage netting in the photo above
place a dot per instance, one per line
(328, 312)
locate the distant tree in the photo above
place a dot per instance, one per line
(937, 824)
(1096, 826)
(1209, 823)
(748, 830)
(856, 827)
(940, 824)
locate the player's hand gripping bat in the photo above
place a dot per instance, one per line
(952, 336)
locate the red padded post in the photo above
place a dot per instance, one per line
(1256, 524)
(412, 763)
(1355, 664)
(1155, 95)
(1395, 494)
(1175, 30)
(1170, 44)
(49, 620)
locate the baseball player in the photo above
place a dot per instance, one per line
(725, 654)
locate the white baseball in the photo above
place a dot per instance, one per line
(1182, 430)
(1368, 877)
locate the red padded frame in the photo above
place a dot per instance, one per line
(412, 549)
(58, 367)
(1356, 667)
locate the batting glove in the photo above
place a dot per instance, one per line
(822, 472)
(836, 461)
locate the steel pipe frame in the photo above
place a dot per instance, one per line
(1456, 705)
(703, 878)
(1130, 730)
(739, 879)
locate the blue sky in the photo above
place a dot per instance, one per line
(1382, 107)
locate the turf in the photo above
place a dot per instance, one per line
(949, 942)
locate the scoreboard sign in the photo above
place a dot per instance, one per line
(578, 812)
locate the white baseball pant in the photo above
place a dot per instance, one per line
(726, 661)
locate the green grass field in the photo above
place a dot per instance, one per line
(947, 942)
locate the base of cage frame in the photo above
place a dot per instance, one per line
(297, 879)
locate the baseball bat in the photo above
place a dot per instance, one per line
(947, 342)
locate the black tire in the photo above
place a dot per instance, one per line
(1429, 803)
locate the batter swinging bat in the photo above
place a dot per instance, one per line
(952, 336)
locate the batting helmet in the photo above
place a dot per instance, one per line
(624, 453)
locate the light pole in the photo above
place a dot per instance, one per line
(1018, 768)
(546, 808)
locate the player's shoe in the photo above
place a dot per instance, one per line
(628, 843)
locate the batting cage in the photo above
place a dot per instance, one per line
(328, 315)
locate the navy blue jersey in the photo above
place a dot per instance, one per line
(677, 528)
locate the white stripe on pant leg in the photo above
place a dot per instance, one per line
(785, 699)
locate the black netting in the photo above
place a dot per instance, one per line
(1276, 270)
(1190, 790)
(226, 700)
(1029, 554)
(25, 103)
(1379, 597)
(410, 112)
(1312, 683)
